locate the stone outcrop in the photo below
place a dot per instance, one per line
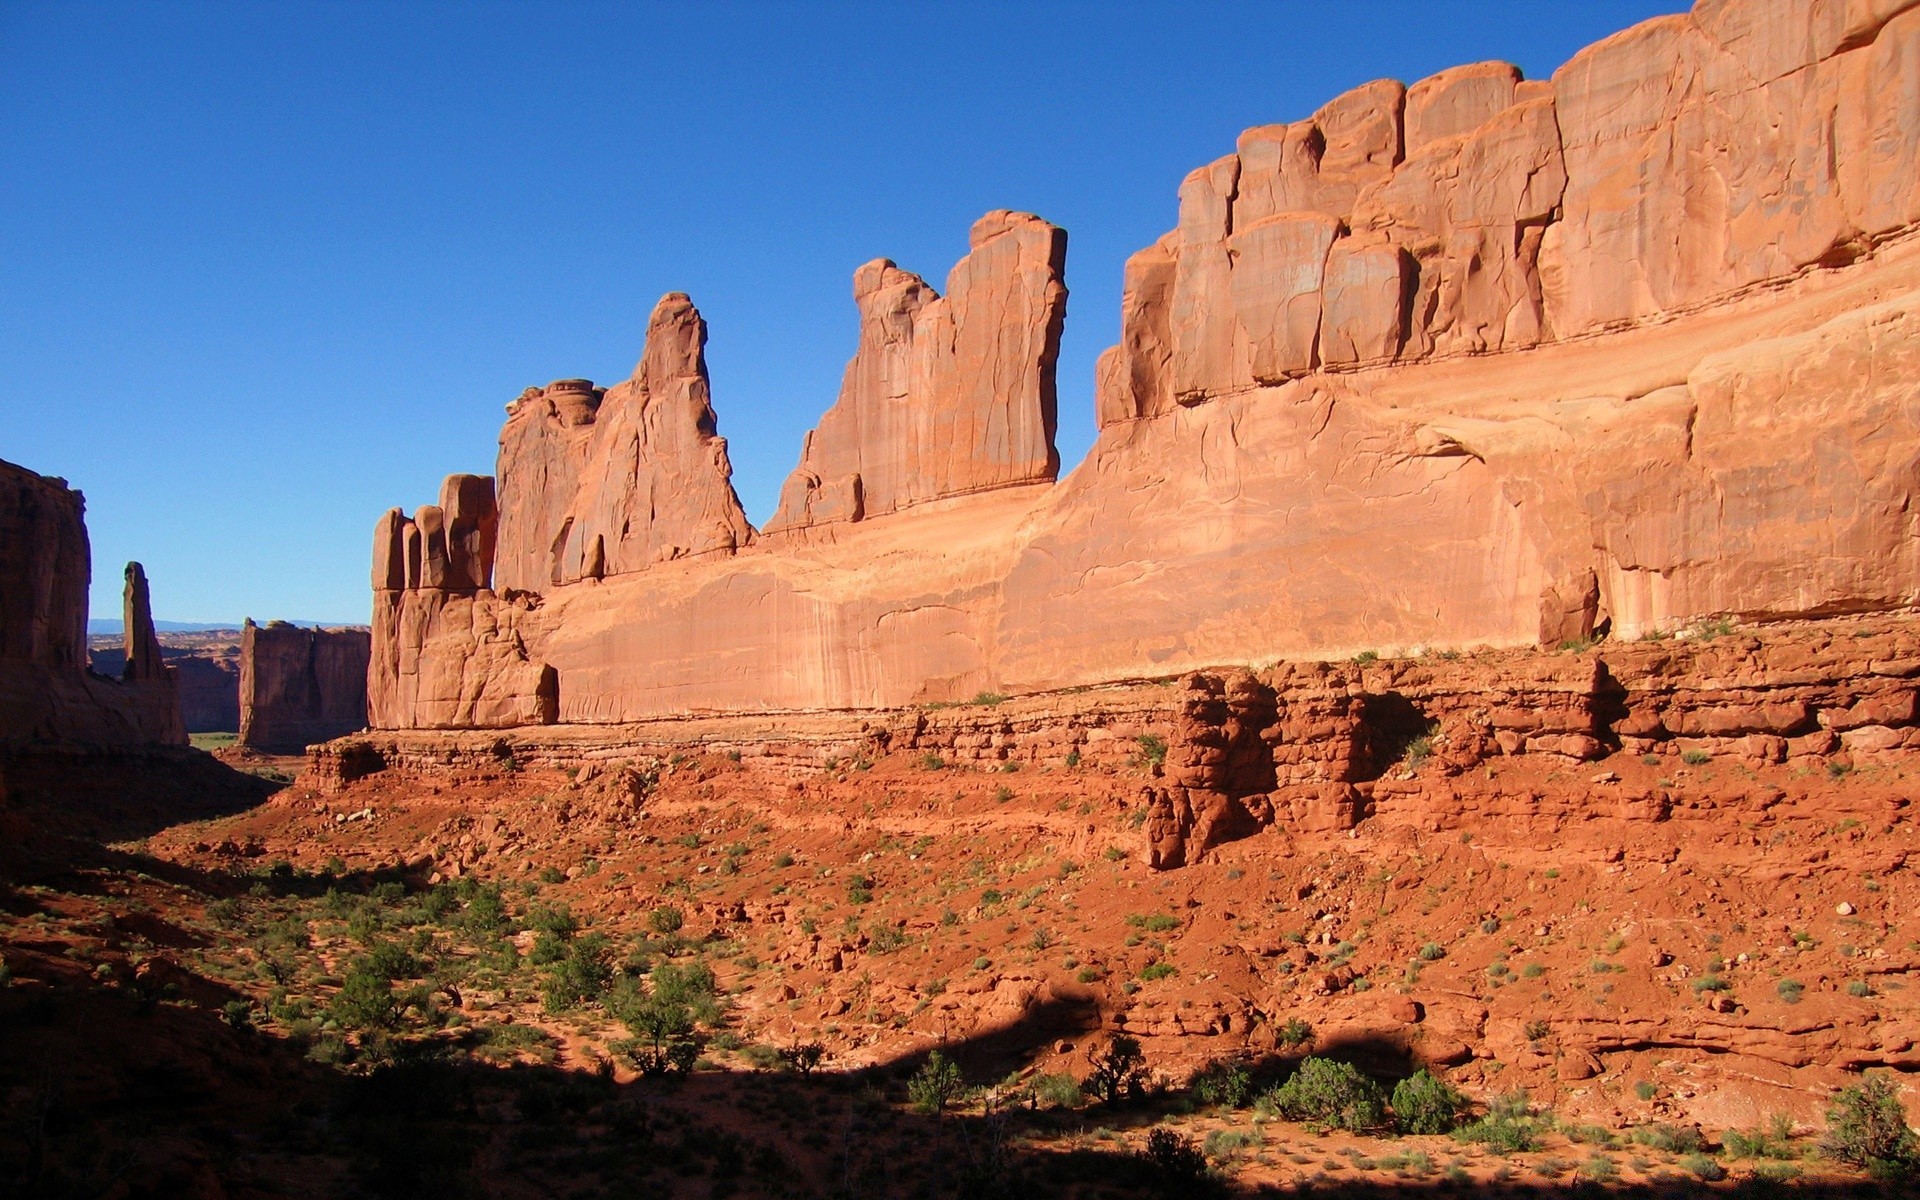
(47, 694)
(300, 686)
(1480, 362)
(1670, 166)
(598, 483)
(946, 395)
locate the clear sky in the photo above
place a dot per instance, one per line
(270, 269)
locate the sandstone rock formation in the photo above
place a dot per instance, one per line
(47, 695)
(603, 483)
(301, 686)
(1483, 361)
(946, 395)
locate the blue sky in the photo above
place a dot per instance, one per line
(270, 269)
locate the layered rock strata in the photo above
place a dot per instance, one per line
(301, 686)
(1323, 746)
(47, 694)
(1480, 362)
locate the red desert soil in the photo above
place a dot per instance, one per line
(1716, 972)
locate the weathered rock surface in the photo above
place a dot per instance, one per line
(595, 484)
(301, 686)
(47, 695)
(945, 395)
(1484, 361)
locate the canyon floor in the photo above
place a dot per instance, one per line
(471, 982)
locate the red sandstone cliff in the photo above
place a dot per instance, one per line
(47, 695)
(300, 686)
(945, 396)
(1480, 361)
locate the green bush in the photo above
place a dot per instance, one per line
(666, 919)
(1509, 1126)
(1703, 1167)
(1221, 1082)
(1061, 1091)
(1867, 1127)
(803, 1057)
(1432, 952)
(581, 976)
(365, 1000)
(1424, 1104)
(1329, 1092)
(1791, 990)
(1153, 749)
(1673, 1139)
(935, 1085)
(1296, 1033)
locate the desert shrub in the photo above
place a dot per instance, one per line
(1120, 1072)
(1424, 1104)
(1673, 1139)
(1702, 1167)
(1159, 970)
(1509, 1126)
(1296, 1033)
(1175, 1166)
(1791, 990)
(580, 976)
(887, 939)
(486, 913)
(760, 1056)
(1061, 1091)
(935, 1085)
(365, 1000)
(1867, 1127)
(666, 919)
(1329, 1092)
(552, 875)
(1153, 749)
(1221, 1082)
(803, 1057)
(1775, 1141)
(1224, 1145)
(1432, 952)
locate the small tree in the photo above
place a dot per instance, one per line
(1333, 1093)
(1423, 1104)
(1120, 1072)
(803, 1057)
(1868, 1127)
(935, 1085)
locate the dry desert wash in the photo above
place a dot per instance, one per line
(1457, 730)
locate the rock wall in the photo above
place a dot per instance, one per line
(946, 395)
(301, 686)
(1669, 166)
(47, 695)
(1478, 362)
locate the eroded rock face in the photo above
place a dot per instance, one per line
(945, 395)
(301, 686)
(47, 695)
(1480, 362)
(1666, 167)
(598, 483)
